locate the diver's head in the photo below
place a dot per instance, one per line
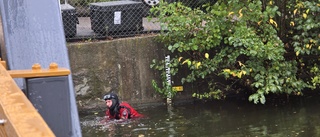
(112, 100)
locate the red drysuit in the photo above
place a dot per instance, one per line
(125, 112)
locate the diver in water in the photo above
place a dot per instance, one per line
(117, 110)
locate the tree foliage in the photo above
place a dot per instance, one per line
(263, 46)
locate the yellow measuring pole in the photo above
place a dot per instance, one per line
(18, 117)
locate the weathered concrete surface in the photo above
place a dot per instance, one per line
(122, 66)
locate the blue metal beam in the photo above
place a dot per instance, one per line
(33, 33)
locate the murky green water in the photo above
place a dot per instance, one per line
(299, 117)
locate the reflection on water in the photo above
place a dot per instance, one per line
(221, 118)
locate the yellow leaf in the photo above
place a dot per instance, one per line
(206, 55)
(243, 72)
(185, 61)
(180, 59)
(292, 23)
(240, 13)
(295, 11)
(259, 22)
(299, 93)
(230, 13)
(233, 74)
(307, 46)
(198, 64)
(270, 2)
(226, 70)
(304, 15)
(312, 41)
(297, 53)
(273, 22)
(307, 11)
(240, 64)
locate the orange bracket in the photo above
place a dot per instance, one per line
(36, 71)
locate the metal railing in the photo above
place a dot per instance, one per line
(92, 19)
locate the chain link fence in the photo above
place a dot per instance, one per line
(96, 19)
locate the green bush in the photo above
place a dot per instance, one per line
(262, 46)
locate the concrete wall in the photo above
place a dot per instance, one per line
(122, 66)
